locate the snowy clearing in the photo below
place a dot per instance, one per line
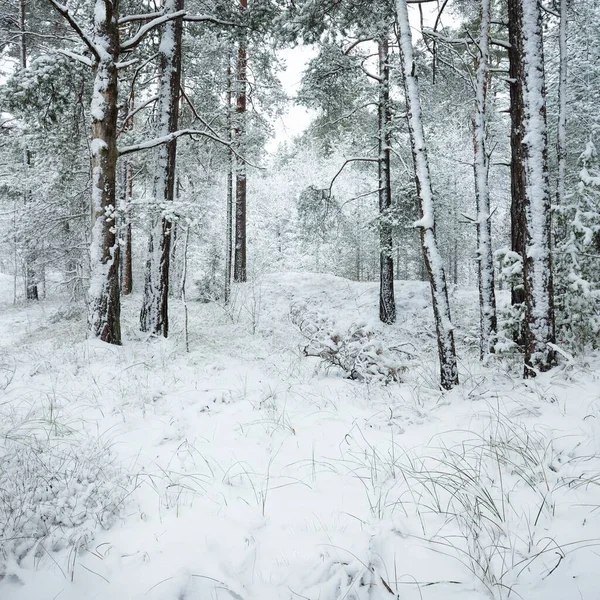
(246, 470)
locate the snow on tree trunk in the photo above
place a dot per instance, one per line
(537, 268)
(426, 224)
(387, 303)
(103, 295)
(561, 143)
(239, 269)
(154, 316)
(517, 167)
(487, 297)
(230, 169)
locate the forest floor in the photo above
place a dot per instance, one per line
(244, 470)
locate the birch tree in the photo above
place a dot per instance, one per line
(426, 224)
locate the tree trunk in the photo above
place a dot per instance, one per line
(387, 303)
(537, 267)
(154, 316)
(230, 169)
(561, 143)
(485, 257)
(127, 287)
(426, 224)
(239, 270)
(517, 168)
(31, 287)
(104, 301)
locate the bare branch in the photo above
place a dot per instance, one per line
(349, 160)
(134, 112)
(166, 139)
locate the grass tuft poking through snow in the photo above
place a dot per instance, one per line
(240, 470)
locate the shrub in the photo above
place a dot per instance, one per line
(354, 351)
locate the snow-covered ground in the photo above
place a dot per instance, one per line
(245, 470)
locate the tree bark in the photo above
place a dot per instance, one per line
(485, 257)
(517, 169)
(154, 316)
(230, 169)
(104, 301)
(239, 270)
(387, 303)
(31, 287)
(426, 224)
(128, 260)
(561, 142)
(537, 267)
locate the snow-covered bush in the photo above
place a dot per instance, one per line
(354, 351)
(208, 288)
(511, 316)
(57, 487)
(578, 284)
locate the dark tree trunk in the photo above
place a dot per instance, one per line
(154, 316)
(127, 287)
(517, 165)
(239, 270)
(387, 303)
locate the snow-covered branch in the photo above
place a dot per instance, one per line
(133, 41)
(62, 9)
(138, 18)
(78, 57)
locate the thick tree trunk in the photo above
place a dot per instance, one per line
(539, 307)
(517, 167)
(426, 224)
(104, 301)
(154, 316)
(239, 270)
(387, 303)
(485, 257)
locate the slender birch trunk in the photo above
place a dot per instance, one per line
(539, 305)
(387, 303)
(426, 224)
(487, 297)
(239, 269)
(104, 301)
(154, 316)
